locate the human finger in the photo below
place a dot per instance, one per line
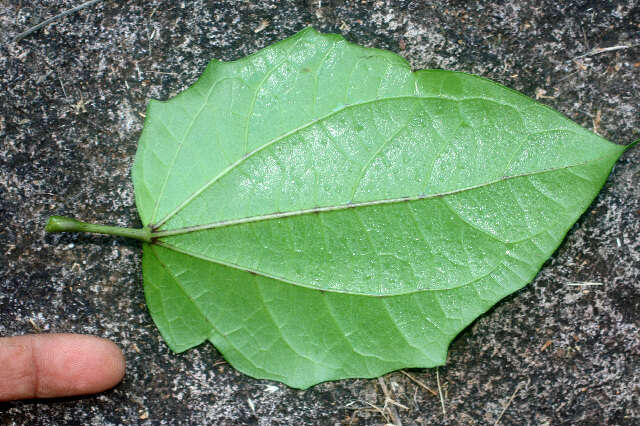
(57, 365)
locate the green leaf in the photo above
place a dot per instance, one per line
(317, 211)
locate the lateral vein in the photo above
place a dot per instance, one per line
(304, 126)
(299, 284)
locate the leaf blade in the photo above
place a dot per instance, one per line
(326, 213)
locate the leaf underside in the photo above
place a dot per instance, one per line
(321, 212)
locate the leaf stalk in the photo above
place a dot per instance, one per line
(67, 224)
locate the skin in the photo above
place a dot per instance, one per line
(57, 365)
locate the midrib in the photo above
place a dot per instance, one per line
(280, 215)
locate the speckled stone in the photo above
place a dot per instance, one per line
(72, 99)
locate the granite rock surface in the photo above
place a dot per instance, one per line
(72, 99)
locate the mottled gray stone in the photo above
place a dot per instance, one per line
(71, 102)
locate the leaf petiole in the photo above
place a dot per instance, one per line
(67, 224)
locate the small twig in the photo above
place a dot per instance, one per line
(444, 411)
(263, 24)
(63, 91)
(596, 121)
(567, 76)
(162, 72)
(378, 409)
(599, 50)
(353, 417)
(397, 404)
(387, 399)
(419, 383)
(34, 325)
(586, 283)
(509, 402)
(150, 36)
(546, 345)
(54, 18)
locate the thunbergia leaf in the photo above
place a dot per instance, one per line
(317, 211)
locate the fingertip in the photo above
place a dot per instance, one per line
(79, 365)
(115, 358)
(98, 364)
